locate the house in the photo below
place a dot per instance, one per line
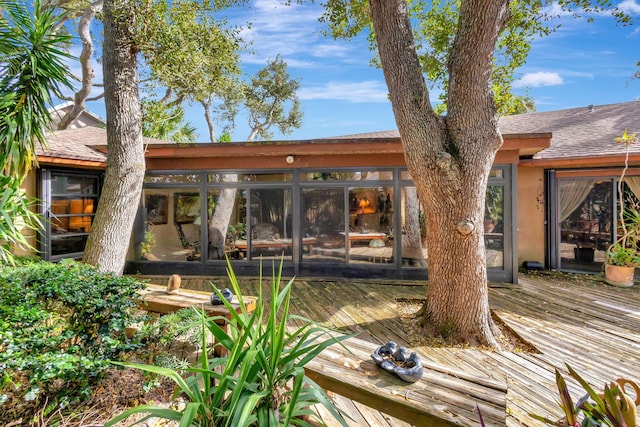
(344, 206)
(567, 192)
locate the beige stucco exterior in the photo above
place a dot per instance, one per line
(531, 214)
(29, 188)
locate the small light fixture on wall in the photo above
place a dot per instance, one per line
(290, 158)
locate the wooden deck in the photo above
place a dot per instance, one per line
(574, 319)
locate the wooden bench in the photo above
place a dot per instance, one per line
(443, 397)
(157, 300)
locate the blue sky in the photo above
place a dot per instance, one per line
(580, 64)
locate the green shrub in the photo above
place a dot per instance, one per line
(261, 381)
(60, 324)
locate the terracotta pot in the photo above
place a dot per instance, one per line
(616, 275)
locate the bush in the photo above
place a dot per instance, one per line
(60, 325)
(261, 379)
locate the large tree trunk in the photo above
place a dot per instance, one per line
(109, 240)
(449, 158)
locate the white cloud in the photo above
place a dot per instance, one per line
(630, 7)
(540, 78)
(354, 92)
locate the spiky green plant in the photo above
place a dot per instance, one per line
(261, 379)
(592, 410)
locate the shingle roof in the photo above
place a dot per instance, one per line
(76, 144)
(577, 132)
(72, 144)
(588, 131)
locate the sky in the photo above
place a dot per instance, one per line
(582, 63)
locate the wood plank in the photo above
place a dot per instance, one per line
(441, 397)
(157, 300)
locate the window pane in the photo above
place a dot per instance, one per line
(172, 225)
(254, 177)
(414, 251)
(74, 199)
(585, 216)
(494, 226)
(347, 176)
(323, 224)
(270, 230)
(370, 221)
(68, 244)
(172, 179)
(64, 185)
(227, 214)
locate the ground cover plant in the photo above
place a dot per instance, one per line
(60, 325)
(261, 380)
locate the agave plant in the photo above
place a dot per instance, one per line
(261, 379)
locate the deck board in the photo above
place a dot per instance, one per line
(572, 319)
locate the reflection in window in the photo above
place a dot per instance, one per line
(227, 228)
(172, 225)
(347, 176)
(270, 213)
(370, 225)
(494, 226)
(253, 177)
(171, 179)
(74, 199)
(585, 217)
(414, 251)
(323, 224)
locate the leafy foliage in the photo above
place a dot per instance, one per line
(625, 251)
(60, 324)
(260, 381)
(31, 72)
(267, 97)
(165, 122)
(435, 26)
(593, 409)
(15, 214)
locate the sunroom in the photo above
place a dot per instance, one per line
(343, 207)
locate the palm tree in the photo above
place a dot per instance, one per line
(32, 71)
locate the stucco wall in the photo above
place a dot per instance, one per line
(531, 215)
(29, 187)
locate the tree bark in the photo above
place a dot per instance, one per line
(84, 31)
(109, 239)
(449, 157)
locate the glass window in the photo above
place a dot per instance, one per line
(227, 225)
(347, 176)
(412, 218)
(270, 224)
(172, 225)
(73, 201)
(172, 179)
(494, 226)
(585, 218)
(253, 177)
(323, 227)
(369, 237)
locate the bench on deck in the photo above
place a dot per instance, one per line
(157, 300)
(443, 397)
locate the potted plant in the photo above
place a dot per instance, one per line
(623, 256)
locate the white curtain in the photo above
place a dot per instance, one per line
(572, 193)
(634, 184)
